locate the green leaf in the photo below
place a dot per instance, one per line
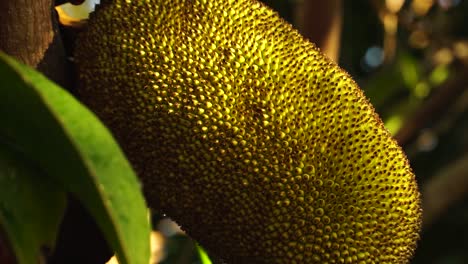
(204, 258)
(73, 146)
(31, 207)
(410, 70)
(439, 75)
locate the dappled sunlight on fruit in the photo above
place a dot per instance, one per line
(246, 135)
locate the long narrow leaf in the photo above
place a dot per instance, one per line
(73, 146)
(31, 207)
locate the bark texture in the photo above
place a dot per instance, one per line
(29, 32)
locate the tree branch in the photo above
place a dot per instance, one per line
(433, 108)
(321, 22)
(444, 189)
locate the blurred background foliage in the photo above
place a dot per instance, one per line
(410, 58)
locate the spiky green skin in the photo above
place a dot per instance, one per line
(261, 148)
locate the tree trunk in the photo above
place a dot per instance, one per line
(29, 32)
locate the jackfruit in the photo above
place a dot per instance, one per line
(243, 132)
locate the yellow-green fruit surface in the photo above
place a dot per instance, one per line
(260, 147)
